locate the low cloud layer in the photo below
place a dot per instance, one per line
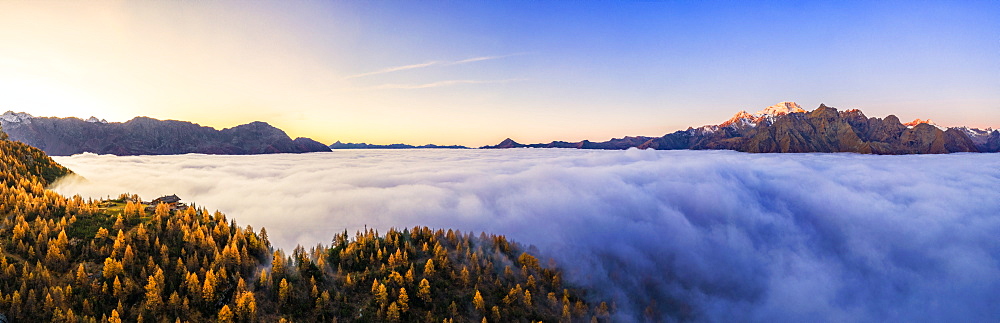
(703, 235)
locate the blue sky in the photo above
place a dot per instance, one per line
(476, 72)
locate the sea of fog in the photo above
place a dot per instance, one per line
(717, 235)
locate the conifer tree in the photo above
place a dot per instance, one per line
(478, 301)
(424, 292)
(404, 300)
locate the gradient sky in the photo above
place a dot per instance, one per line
(476, 72)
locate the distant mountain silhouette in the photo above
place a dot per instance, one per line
(341, 145)
(616, 143)
(148, 136)
(786, 128)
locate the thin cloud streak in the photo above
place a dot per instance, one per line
(484, 58)
(394, 69)
(429, 64)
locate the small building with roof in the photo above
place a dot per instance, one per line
(168, 199)
(171, 200)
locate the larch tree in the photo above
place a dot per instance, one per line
(403, 300)
(392, 315)
(477, 300)
(225, 315)
(154, 298)
(424, 291)
(284, 291)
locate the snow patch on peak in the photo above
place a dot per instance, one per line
(917, 121)
(16, 117)
(706, 129)
(853, 113)
(767, 115)
(741, 118)
(782, 108)
(974, 132)
(94, 119)
(742, 114)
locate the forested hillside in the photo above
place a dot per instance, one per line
(76, 260)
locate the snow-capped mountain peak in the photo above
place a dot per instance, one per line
(767, 115)
(16, 117)
(94, 119)
(741, 118)
(782, 108)
(917, 121)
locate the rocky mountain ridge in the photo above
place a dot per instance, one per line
(148, 136)
(786, 128)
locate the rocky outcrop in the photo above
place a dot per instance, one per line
(148, 136)
(822, 130)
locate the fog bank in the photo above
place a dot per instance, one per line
(706, 235)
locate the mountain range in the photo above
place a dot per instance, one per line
(350, 145)
(781, 128)
(148, 136)
(787, 128)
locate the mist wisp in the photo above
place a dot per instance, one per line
(701, 235)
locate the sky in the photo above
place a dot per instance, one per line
(476, 72)
(758, 237)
